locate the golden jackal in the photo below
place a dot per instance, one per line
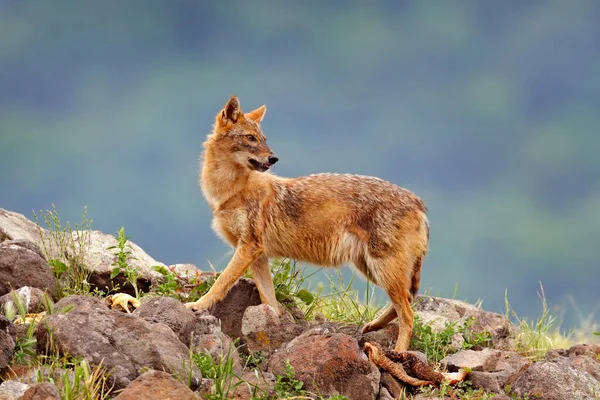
(323, 219)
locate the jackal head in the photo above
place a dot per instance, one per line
(239, 136)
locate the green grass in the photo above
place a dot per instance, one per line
(122, 264)
(65, 247)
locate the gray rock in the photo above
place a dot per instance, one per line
(556, 379)
(14, 226)
(169, 311)
(328, 364)
(12, 390)
(437, 312)
(484, 360)
(392, 385)
(123, 343)
(23, 264)
(80, 303)
(156, 385)
(230, 310)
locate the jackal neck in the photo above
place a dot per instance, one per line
(220, 177)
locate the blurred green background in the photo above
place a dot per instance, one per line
(487, 110)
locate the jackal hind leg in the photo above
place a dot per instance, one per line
(387, 316)
(392, 276)
(264, 283)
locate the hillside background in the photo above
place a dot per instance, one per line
(488, 110)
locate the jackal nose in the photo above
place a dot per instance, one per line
(273, 160)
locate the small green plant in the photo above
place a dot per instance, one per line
(437, 345)
(288, 280)
(183, 288)
(122, 265)
(221, 373)
(253, 360)
(344, 305)
(534, 339)
(287, 385)
(65, 249)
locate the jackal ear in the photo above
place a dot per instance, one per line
(231, 111)
(258, 114)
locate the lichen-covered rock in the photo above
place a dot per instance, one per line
(125, 344)
(264, 331)
(329, 364)
(170, 312)
(156, 385)
(14, 226)
(23, 264)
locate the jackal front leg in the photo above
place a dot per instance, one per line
(245, 254)
(264, 283)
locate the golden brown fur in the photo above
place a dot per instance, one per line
(324, 219)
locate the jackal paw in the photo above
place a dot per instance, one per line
(196, 306)
(370, 327)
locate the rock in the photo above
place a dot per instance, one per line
(231, 309)
(170, 312)
(495, 379)
(392, 385)
(384, 394)
(556, 379)
(81, 303)
(263, 330)
(97, 257)
(30, 297)
(41, 391)
(206, 323)
(328, 364)
(99, 261)
(437, 312)
(123, 343)
(23, 264)
(14, 226)
(12, 390)
(252, 385)
(484, 360)
(205, 387)
(7, 348)
(156, 385)
(219, 346)
(385, 337)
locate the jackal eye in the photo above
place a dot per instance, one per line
(251, 138)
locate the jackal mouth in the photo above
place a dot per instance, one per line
(258, 166)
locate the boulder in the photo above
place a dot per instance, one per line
(23, 264)
(437, 312)
(125, 344)
(170, 312)
(328, 364)
(230, 310)
(14, 226)
(156, 385)
(7, 347)
(556, 379)
(80, 303)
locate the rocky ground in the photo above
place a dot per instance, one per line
(80, 344)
